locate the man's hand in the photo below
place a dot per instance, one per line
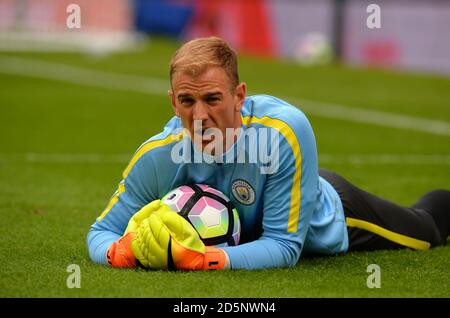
(165, 240)
(120, 253)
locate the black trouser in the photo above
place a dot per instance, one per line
(374, 223)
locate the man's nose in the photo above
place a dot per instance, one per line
(200, 111)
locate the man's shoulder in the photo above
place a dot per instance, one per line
(159, 146)
(268, 108)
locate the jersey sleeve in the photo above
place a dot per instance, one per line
(289, 198)
(134, 191)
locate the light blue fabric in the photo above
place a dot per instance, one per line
(264, 199)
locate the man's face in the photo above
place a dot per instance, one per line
(208, 99)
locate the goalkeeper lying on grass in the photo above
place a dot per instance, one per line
(287, 206)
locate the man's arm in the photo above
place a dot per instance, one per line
(134, 192)
(289, 200)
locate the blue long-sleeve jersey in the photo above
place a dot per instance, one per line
(284, 206)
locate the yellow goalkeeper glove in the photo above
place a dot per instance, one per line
(120, 253)
(165, 240)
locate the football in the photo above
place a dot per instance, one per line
(209, 211)
(314, 49)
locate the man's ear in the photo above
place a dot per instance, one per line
(240, 93)
(172, 101)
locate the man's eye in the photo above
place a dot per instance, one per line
(187, 101)
(212, 99)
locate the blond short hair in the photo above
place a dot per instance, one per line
(195, 56)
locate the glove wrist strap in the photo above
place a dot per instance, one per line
(215, 258)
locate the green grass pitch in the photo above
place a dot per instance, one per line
(64, 145)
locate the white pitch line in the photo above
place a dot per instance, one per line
(357, 159)
(373, 117)
(82, 76)
(156, 86)
(64, 158)
(386, 159)
(77, 158)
